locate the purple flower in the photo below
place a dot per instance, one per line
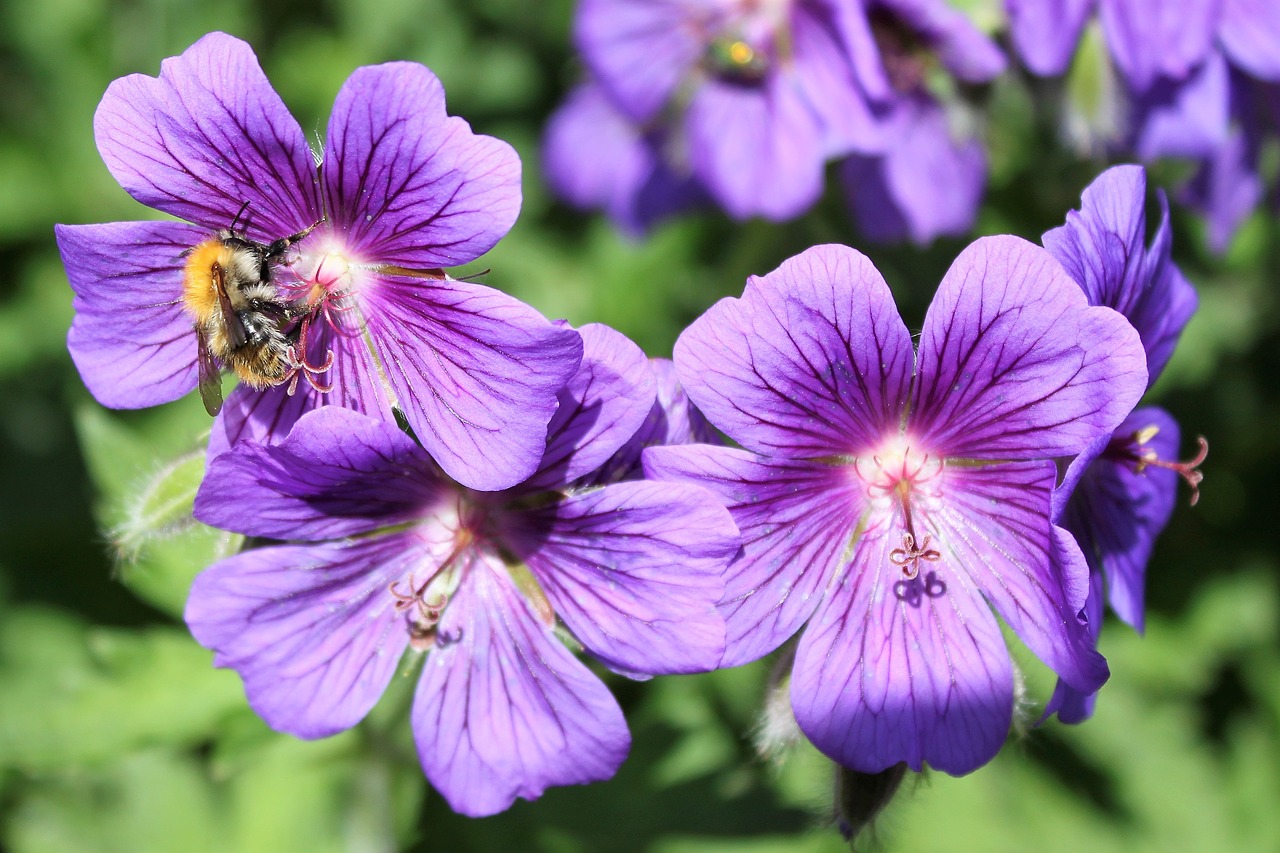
(927, 178)
(751, 97)
(401, 191)
(889, 497)
(387, 553)
(596, 158)
(1119, 492)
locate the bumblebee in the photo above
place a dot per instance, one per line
(242, 321)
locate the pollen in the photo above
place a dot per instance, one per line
(740, 53)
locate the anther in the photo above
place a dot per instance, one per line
(1143, 457)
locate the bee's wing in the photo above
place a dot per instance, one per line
(210, 375)
(235, 329)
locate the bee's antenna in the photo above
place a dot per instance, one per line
(239, 213)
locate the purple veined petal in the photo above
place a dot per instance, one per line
(827, 80)
(1167, 39)
(594, 157)
(758, 150)
(475, 371)
(797, 520)
(1171, 299)
(640, 50)
(131, 339)
(964, 50)
(406, 184)
(336, 474)
(601, 408)
(672, 420)
(1116, 512)
(503, 709)
(1226, 189)
(1074, 706)
(1045, 32)
(1249, 31)
(994, 525)
(311, 629)
(1101, 247)
(207, 136)
(267, 415)
(1189, 118)
(926, 185)
(635, 570)
(813, 360)
(1002, 369)
(890, 670)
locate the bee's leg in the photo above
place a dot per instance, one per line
(278, 247)
(298, 363)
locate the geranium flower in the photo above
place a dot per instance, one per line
(388, 553)
(889, 497)
(750, 98)
(1118, 494)
(927, 177)
(400, 192)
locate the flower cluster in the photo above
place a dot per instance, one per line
(744, 102)
(741, 103)
(439, 481)
(1197, 79)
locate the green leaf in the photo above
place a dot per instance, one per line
(75, 695)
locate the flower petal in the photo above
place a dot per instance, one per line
(311, 629)
(1166, 40)
(503, 709)
(131, 339)
(672, 420)
(207, 137)
(1075, 706)
(1101, 247)
(635, 571)
(1116, 513)
(759, 150)
(1045, 32)
(337, 474)
(963, 49)
(1188, 118)
(600, 409)
(639, 50)
(813, 360)
(797, 519)
(594, 157)
(266, 415)
(1002, 370)
(1250, 34)
(475, 371)
(895, 671)
(926, 185)
(405, 183)
(827, 76)
(994, 525)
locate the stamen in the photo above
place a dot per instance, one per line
(1135, 449)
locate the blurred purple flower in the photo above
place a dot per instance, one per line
(888, 496)
(927, 178)
(1200, 82)
(1119, 492)
(387, 552)
(748, 99)
(402, 191)
(595, 158)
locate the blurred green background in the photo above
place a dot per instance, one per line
(117, 735)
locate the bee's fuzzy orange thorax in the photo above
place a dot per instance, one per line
(199, 292)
